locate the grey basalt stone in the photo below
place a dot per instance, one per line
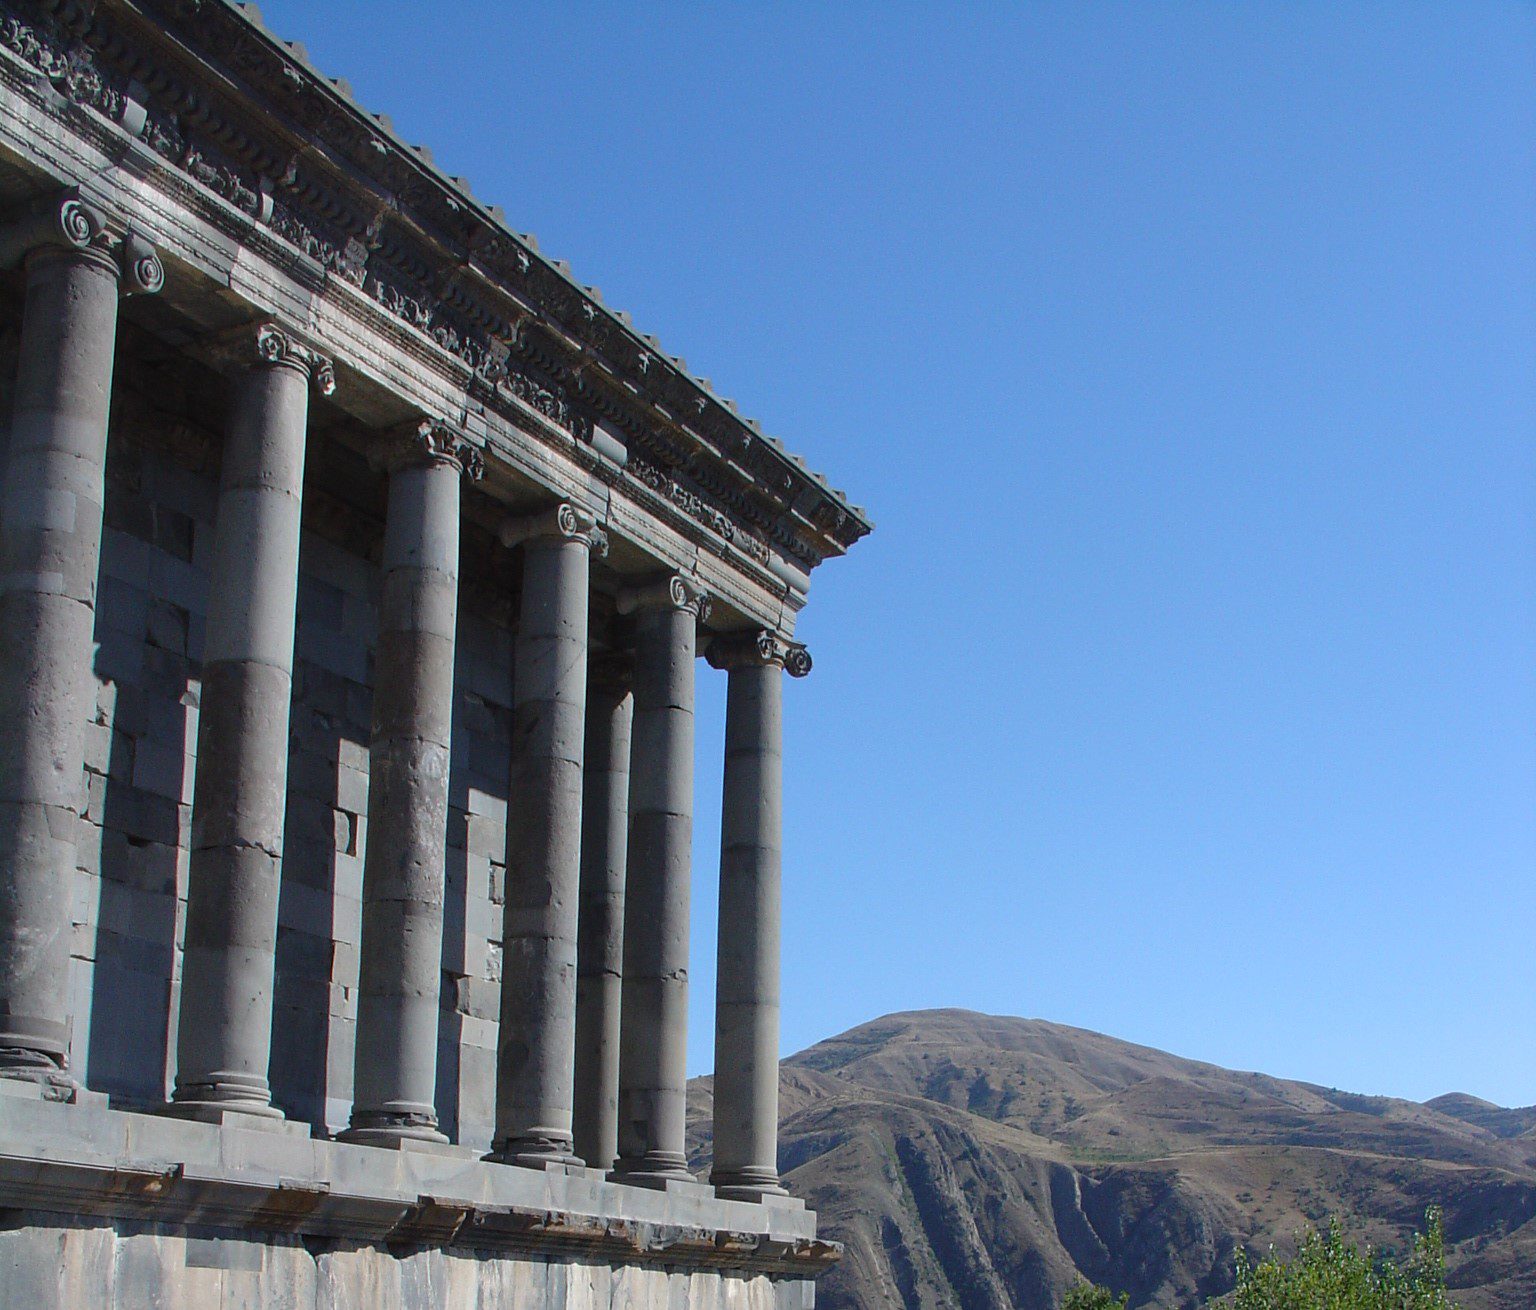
(395, 1075)
(600, 947)
(50, 544)
(746, 1088)
(224, 1038)
(536, 1052)
(654, 1018)
(185, 899)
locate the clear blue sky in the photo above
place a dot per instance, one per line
(1185, 356)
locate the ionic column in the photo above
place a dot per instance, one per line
(536, 1048)
(400, 967)
(224, 1041)
(653, 1040)
(50, 546)
(600, 937)
(746, 1130)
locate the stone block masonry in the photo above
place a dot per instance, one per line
(357, 563)
(183, 1214)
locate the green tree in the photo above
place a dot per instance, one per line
(1331, 1273)
(1091, 1296)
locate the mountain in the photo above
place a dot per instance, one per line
(1485, 1114)
(972, 1162)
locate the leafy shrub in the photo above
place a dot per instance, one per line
(1091, 1296)
(1331, 1273)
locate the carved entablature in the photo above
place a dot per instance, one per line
(292, 152)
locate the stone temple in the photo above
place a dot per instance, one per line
(357, 567)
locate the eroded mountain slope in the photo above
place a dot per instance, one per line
(971, 1162)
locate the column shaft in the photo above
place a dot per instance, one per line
(400, 970)
(54, 489)
(600, 938)
(747, 988)
(536, 1049)
(224, 1040)
(654, 1025)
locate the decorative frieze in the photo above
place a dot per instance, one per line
(70, 68)
(553, 404)
(695, 506)
(272, 172)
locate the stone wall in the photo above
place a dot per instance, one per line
(130, 897)
(46, 1265)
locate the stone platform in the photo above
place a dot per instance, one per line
(111, 1209)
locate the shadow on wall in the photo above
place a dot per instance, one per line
(319, 922)
(135, 833)
(151, 595)
(470, 1011)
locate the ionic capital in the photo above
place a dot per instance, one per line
(432, 441)
(143, 273)
(66, 221)
(673, 592)
(566, 521)
(736, 650)
(277, 348)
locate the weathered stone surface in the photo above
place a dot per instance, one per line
(237, 675)
(746, 1085)
(600, 954)
(654, 1019)
(537, 1038)
(126, 1266)
(379, 1228)
(50, 540)
(224, 1033)
(401, 953)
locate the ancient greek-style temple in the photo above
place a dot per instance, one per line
(361, 569)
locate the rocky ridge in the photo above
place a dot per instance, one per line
(972, 1162)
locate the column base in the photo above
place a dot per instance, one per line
(31, 1043)
(536, 1153)
(438, 1145)
(753, 1183)
(757, 1195)
(394, 1131)
(236, 1100)
(30, 1065)
(48, 1084)
(654, 1169)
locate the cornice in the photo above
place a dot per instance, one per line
(246, 116)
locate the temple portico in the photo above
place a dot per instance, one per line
(358, 567)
